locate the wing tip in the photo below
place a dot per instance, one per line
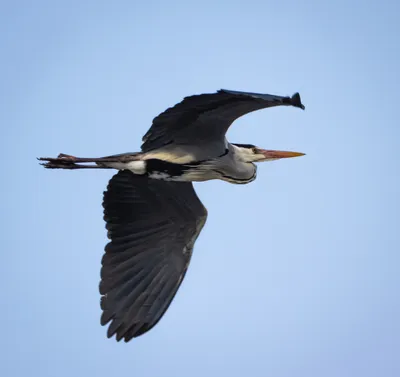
(295, 101)
(126, 334)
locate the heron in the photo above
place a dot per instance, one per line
(152, 213)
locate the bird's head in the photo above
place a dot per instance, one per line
(251, 153)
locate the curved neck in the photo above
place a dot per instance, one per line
(233, 169)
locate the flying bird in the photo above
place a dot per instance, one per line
(152, 213)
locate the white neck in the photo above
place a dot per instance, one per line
(243, 154)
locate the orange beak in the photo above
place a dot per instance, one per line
(269, 154)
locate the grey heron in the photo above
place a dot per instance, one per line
(152, 213)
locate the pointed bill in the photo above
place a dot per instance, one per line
(271, 154)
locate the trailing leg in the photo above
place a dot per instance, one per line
(65, 161)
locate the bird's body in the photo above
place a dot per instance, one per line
(152, 213)
(184, 165)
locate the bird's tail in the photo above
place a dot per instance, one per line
(65, 161)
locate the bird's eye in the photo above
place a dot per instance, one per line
(255, 150)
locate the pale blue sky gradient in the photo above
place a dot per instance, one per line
(296, 274)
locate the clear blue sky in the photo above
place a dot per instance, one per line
(296, 274)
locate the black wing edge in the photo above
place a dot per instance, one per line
(118, 189)
(294, 100)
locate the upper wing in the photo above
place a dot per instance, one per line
(152, 225)
(207, 117)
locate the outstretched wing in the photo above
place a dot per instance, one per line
(153, 226)
(207, 117)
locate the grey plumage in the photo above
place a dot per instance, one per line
(153, 215)
(204, 119)
(152, 225)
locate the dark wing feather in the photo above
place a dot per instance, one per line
(152, 225)
(205, 117)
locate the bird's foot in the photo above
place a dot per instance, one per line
(67, 157)
(63, 161)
